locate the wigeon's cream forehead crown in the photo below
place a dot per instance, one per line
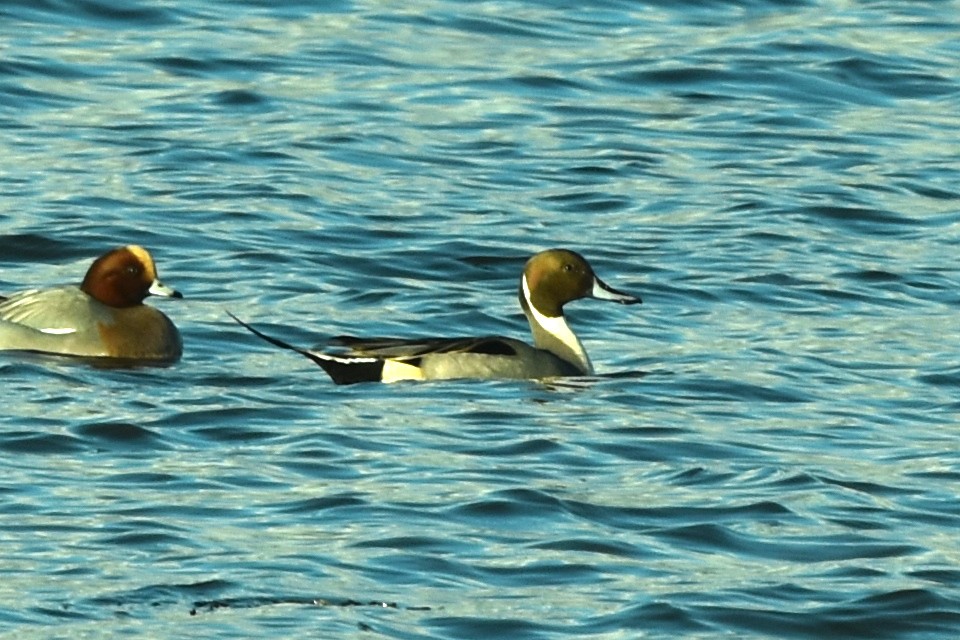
(143, 257)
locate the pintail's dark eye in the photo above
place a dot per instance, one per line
(568, 267)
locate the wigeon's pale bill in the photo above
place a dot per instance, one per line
(103, 317)
(550, 280)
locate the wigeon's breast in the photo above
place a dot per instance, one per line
(140, 333)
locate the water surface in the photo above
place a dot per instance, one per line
(769, 449)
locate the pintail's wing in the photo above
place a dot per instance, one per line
(404, 348)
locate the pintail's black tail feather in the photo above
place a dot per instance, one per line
(348, 370)
(341, 369)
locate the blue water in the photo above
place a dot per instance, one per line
(770, 449)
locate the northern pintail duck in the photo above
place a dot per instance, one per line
(550, 279)
(103, 317)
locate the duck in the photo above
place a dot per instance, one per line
(550, 279)
(102, 317)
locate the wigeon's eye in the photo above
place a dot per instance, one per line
(568, 267)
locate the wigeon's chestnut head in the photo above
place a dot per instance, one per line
(104, 317)
(124, 277)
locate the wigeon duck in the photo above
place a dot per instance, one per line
(103, 317)
(550, 279)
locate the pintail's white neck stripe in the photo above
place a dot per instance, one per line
(557, 327)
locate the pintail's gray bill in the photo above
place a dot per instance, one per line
(603, 291)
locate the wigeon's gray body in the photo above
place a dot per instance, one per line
(550, 279)
(104, 317)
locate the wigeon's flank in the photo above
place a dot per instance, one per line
(104, 317)
(550, 280)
